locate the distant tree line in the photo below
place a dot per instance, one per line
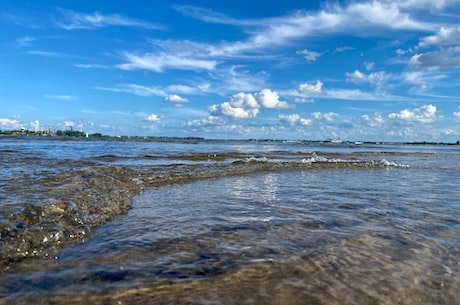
(59, 133)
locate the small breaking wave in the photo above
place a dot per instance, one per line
(372, 163)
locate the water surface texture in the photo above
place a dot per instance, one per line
(228, 222)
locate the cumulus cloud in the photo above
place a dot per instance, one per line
(310, 89)
(210, 121)
(174, 98)
(309, 55)
(294, 119)
(269, 99)
(68, 124)
(448, 39)
(456, 116)
(424, 114)
(372, 121)
(153, 118)
(376, 78)
(439, 59)
(445, 36)
(328, 117)
(369, 66)
(247, 105)
(10, 123)
(240, 106)
(35, 125)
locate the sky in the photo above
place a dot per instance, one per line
(365, 70)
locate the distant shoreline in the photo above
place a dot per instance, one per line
(69, 134)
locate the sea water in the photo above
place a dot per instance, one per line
(123, 221)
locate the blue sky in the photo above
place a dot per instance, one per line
(351, 70)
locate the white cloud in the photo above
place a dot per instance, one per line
(456, 116)
(174, 98)
(369, 66)
(247, 105)
(424, 4)
(424, 114)
(309, 55)
(269, 99)
(61, 97)
(71, 20)
(135, 89)
(153, 118)
(207, 122)
(185, 89)
(383, 13)
(328, 117)
(210, 16)
(10, 123)
(266, 33)
(35, 125)
(241, 106)
(447, 58)
(90, 66)
(158, 62)
(68, 124)
(290, 119)
(24, 41)
(343, 49)
(310, 89)
(356, 17)
(294, 119)
(229, 80)
(445, 36)
(372, 121)
(301, 100)
(45, 53)
(376, 78)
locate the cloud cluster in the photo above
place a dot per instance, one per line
(309, 55)
(328, 117)
(10, 123)
(351, 18)
(294, 119)
(372, 121)
(310, 89)
(447, 39)
(424, 114)
(456, 116)
(376, 78)
(247, 105)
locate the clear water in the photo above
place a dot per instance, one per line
(336, 233)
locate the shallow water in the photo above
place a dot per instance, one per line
(238, 223)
